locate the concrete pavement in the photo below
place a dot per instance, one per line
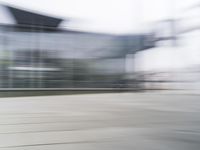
(123, 121)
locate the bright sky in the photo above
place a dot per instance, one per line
(116, 16)
(96, 15)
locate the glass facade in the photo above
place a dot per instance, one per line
(55, 59)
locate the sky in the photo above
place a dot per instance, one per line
(125, 17)
(114, 16)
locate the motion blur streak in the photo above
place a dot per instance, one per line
(95, 89)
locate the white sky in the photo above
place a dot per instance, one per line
(122, 16)
(116, 16)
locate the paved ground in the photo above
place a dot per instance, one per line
(121, 121)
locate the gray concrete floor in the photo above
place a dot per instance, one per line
(123, 121)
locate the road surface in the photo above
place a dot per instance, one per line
(120, 121)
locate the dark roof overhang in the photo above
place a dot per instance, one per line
(30, 19)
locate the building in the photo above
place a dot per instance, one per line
(36, 53)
